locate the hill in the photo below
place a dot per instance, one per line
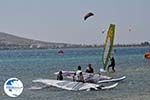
(8, 41)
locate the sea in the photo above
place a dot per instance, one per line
(32, 64)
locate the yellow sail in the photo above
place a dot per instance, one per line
(108, 45)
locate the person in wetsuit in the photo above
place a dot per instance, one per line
(89, 69)
(112, 64)
(60, 76)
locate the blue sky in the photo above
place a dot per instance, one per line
(62, 20)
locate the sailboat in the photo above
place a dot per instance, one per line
(108, 45)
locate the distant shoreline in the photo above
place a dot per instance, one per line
(71, 46)
(8, 41)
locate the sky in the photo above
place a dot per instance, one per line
(62, 20)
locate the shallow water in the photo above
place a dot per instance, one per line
(28, 65)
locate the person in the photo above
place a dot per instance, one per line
(78, 71)
(74, 77)
(112, 64)
(89, 69)
(60, 76)
(80, 77)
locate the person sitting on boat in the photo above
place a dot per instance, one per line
(90, 74)
(60, 76)
(80, 78)
(112, 64)
(78, 74)
(89, 69)
(74, 77)
(78, 71)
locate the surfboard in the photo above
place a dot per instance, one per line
(112, 80)
(74, 86)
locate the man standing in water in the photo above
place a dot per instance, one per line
(112, 64)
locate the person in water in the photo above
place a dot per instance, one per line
(89, 69)
(60, 76)
(112, 64)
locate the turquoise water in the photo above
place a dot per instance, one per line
(28, 65)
